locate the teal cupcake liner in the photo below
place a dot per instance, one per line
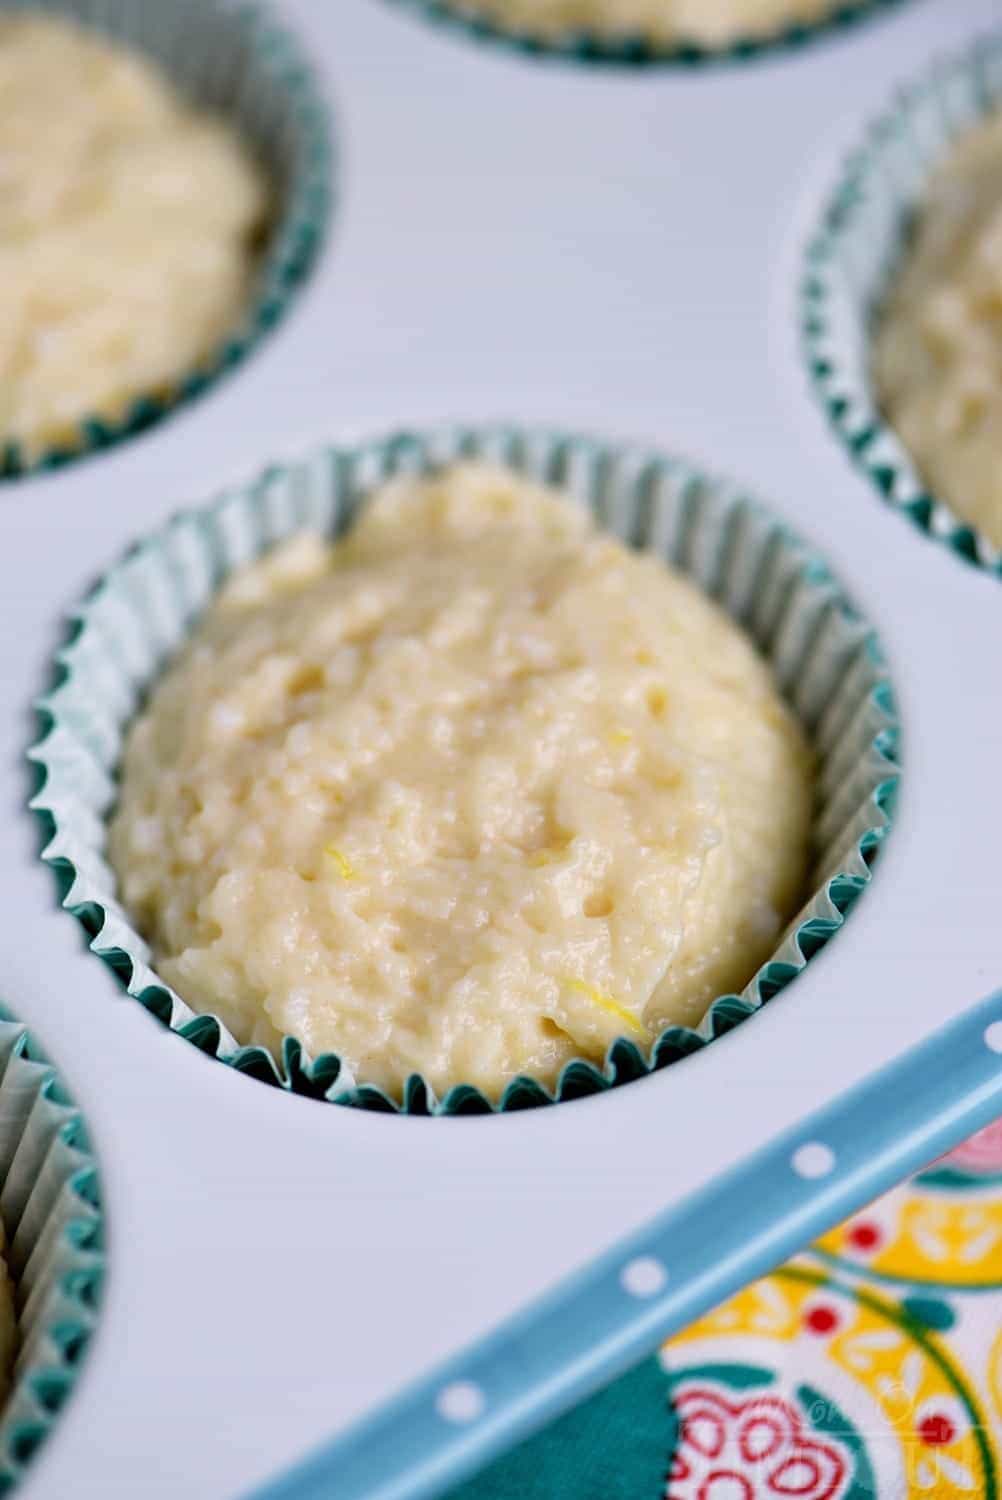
(825, 657)
(639, 51)
(237, 61)
(851, 261)
(51, 1209)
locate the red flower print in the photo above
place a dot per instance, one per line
(750, 1450)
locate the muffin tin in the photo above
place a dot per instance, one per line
(617, 254)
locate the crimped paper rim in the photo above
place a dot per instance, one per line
(51, 1207)
(294, 241)
(835, 318)
(767, 566)
(584, 47)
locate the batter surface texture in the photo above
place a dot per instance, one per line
(470, 793)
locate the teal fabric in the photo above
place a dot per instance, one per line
(617, 1446)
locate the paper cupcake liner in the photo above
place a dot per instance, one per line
(851, 261)
(236, 60)
(51, 1211)
(640, 51)
(825, 657)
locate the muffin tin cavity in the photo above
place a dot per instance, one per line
(825, 658)
(239, 64)
(851, 262)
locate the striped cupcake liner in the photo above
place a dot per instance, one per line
(826, 659)
(51, 1209)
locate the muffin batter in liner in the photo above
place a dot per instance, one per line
(240, 64)
(825, 658)
(640, 51)
(852, 260)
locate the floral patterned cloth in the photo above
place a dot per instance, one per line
(870, 1366)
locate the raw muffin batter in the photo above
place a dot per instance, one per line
(703, 23)
(938, 354)
(470, 793)
(128, 231)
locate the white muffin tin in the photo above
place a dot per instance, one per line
(609, 251)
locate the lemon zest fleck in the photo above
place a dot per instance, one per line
(607, 1003)
(550, 852)
(344, 865)
(621, 736)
